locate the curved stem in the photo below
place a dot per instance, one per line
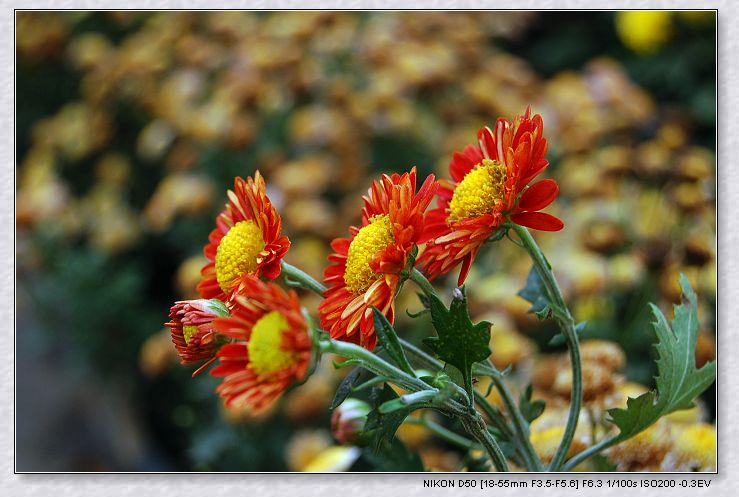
(443, 433)
(495, 416)
(426, 361)
(302, 278)
(589, 452)
(419, 279)
(520, 426)
(373, 363)
(567, 324)
(476, 427)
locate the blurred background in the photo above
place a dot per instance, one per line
(131, 126)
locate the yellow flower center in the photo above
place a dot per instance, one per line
(188, 332)
(237, 252)
(479, 191)
(371, 239)
(266, 354)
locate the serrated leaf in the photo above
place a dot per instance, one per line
(678, 382)
(389, 340)
(459, 343)
(383, 426)
(345, 388)
(535, 293)
(530, 410)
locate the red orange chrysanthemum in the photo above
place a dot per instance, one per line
(246, 240)
(272, 347)
(193, 333)
(490, 183)
(365, 269)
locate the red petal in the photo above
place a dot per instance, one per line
(538, 221)
(487, 143)
(463, 162)
(538, 195)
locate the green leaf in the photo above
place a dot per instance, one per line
(530, 410)
(215, 306)
(535, 293)
(678, 381)
(345, 388)
(383, 426)
(389, 341)
(394, 456)
(459, 342)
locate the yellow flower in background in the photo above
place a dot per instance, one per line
(644, 31)
(313, 451)
(333, 459)
(694, 449)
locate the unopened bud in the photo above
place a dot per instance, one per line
(348, 420)
(193, 334)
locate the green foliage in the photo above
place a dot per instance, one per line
(542, 305)
(559, 338)
(530, 410)
(394, 456)
(535, 293)
(389, 340)
(459, 342)
(216, 307)
(678, 381)
(382, 427)
(345, 387)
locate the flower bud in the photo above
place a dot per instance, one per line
(347, 421)
(193, 334)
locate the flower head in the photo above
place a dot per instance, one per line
(246, 241)
(365, 268)
(193, 333)
(490, 184)
(644, 31)
(272, 347)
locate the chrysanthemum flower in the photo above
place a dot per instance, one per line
(366, 267)
(489, 185)
(246, 241)
(272, 348)
(193, 333)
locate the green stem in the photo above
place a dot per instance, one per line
(303, 279)
(567, 325)
(443, 433)
(520, 426)
(470, 419)
(426, 361)
(419, 279)
(373, 363)
(476, 427)
(589, 452)
(495, 416)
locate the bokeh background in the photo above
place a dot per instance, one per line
(131, 126)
